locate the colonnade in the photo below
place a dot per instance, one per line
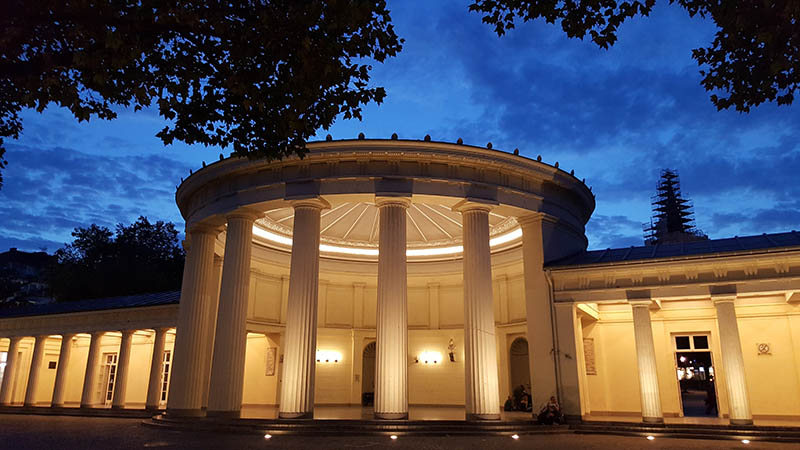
(297, 385)
(88, 395)
(731, 355)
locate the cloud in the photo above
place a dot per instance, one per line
(50, 191)
(613, 232)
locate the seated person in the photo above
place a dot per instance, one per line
(551, 413)
(509, 404)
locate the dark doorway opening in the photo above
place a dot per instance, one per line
(697, 382)
(368, 375)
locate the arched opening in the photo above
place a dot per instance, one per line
(368, 375)
(519, 370)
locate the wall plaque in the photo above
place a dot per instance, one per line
(588, 356)
(272, 353)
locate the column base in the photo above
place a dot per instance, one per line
(391, 416)
(741, 421)
(296, 415)
(57, 405)
(224, 414)
(172, 412)
(482, 417)
(117, 407)
(653, 419)
(87, 406)
(152, 408)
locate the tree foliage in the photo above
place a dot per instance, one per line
(138, 258)
(754, 58)
(260, 76)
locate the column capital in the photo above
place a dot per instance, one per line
(722, 298)
(67, 335)
(41, 337)
(535, 218)
(202, 228)
(722, 293)
(474, 204)
(127, 332)
(245, 214)
(382, 200)
(98, 334)
(311, 202)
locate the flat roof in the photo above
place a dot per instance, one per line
(96, 304)
(727, 246)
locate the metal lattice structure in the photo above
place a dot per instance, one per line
(673, 218)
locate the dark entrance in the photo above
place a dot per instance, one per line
(695, 372)
(368, 375)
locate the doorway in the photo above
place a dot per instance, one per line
(165, 373)
(694, 368)
(519, 374)
(368, 375)
(108, 376)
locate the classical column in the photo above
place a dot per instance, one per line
(123, 367)
(732, 360)
(92, 365)
(60, 388)
(568, 327)
(6, 391)
(646, 359)
(538, 313)
(156, 369)
(212, 322)
(391, 359)
(35, 370)
(186, 395)
(297, 386)
(482, 396)
(230, 340)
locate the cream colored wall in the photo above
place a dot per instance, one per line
(260, 388)
(773, 380)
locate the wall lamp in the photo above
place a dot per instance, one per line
(429, 358)
(328, 356)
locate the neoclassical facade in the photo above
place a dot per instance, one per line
(402, 273)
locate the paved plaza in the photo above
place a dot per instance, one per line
(18, 432)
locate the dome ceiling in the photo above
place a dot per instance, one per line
(355, 224)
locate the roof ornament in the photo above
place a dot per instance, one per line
(394, 136)
(489, 145)
(556, 165)
(539, 158)
(572, 172)
(329, 138)
(459, 141)
(516, 151)
(221, 157)
(361, 135)
(427, 137)
(204, 164)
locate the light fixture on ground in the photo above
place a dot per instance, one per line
(650, 438)
(515, 436)
(745, 441)
(393, 437)
(267, 436)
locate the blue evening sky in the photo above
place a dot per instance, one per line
(616, 117)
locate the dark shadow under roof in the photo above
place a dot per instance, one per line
(96, 304)
(747, 244)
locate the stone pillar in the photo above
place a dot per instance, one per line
(482, 396)
(35, 370)
(123, 365)
(732, 360)
(541, 349)
(7, 389)
(297, 387)
(156, 370)
(391, 359)
(212, 322)
(646, 359)
(60, 387)
(568, 332)
(186, 395)
(90, 376)
(230, 340)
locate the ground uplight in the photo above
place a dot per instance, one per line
(515, 436)
(267, 436)
(393, 437)
(745, 441)
(650, 438)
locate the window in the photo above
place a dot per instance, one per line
(165, 375)
(682, 343)
(3, 357)
(700, 342)
(692, 343)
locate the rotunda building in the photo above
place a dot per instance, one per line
(431, 253)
